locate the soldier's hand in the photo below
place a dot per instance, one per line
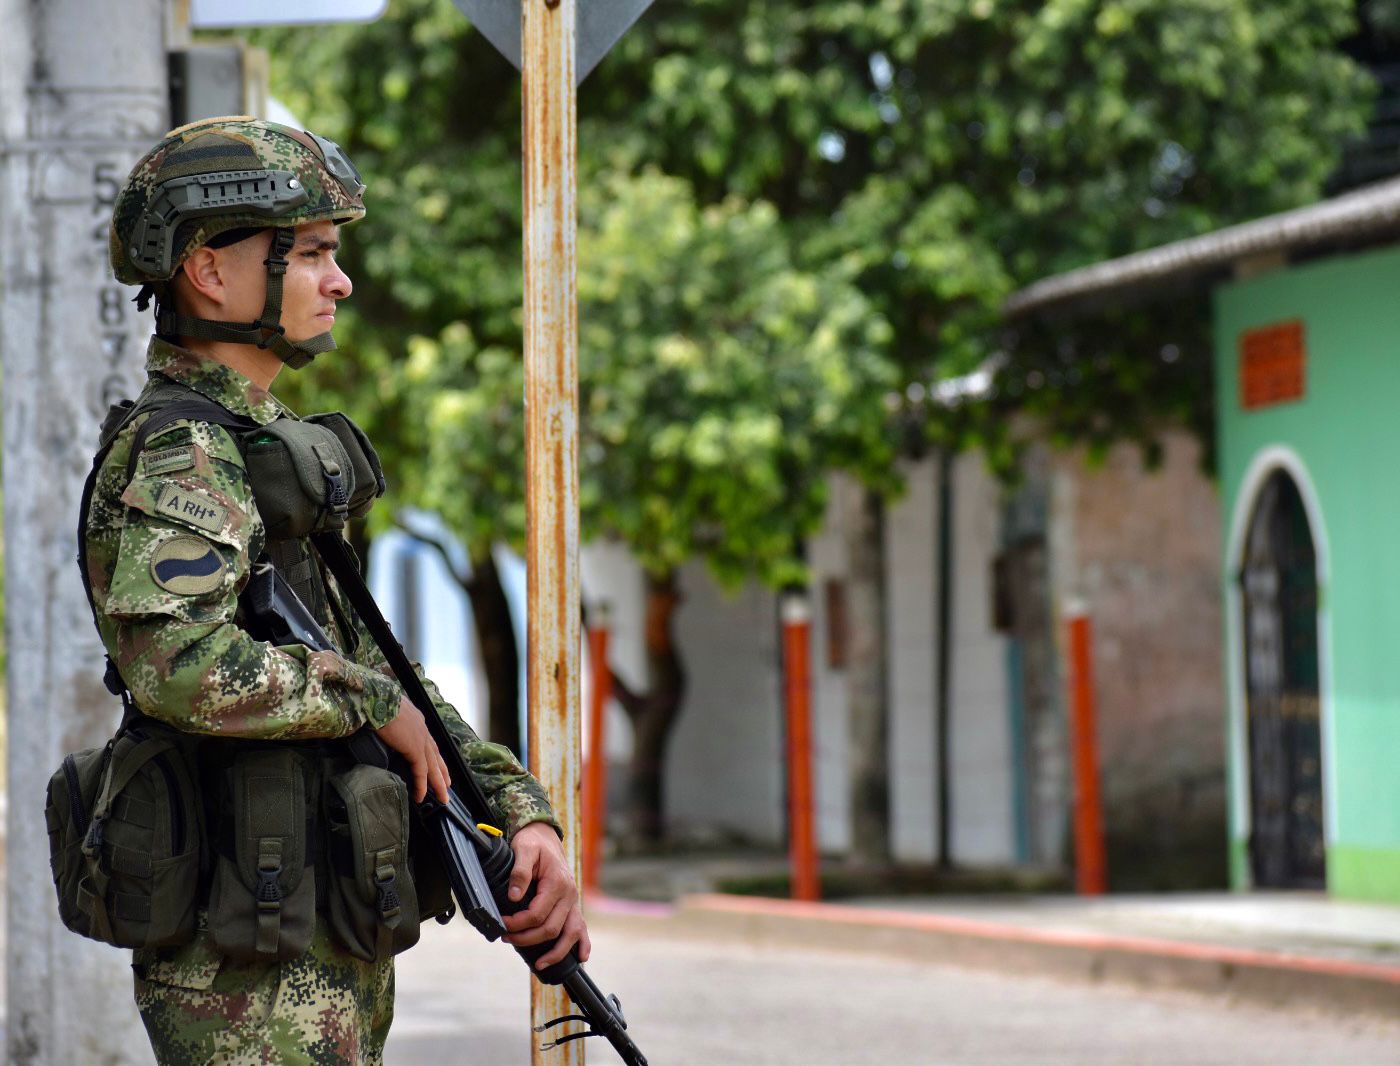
(554, 912)
(408, 735)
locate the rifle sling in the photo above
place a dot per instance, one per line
(335, 553)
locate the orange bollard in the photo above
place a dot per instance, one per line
(1090, 860)
(595, 800)
(802, 846)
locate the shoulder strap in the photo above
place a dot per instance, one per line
(335, 553)
(196, 409)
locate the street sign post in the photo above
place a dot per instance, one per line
(230, 14)
(555, 44)
(549, 109)
(601, 24)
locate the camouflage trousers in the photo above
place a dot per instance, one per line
(326, 1008)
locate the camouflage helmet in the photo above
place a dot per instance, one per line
(220, 174)
(215, 177)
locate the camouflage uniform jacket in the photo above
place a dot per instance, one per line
(168, 553)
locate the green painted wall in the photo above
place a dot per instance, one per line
(1346, 433)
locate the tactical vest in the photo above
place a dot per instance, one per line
(307, 476)
(263, 834)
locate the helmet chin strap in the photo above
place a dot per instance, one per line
(267, 332)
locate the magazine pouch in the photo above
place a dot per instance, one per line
(373, 904)
(262, 904)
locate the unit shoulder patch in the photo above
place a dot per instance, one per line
(191, 506)
(215, 441)
(187, 566)
(172, 436)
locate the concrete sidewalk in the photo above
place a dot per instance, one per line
(1281, 949)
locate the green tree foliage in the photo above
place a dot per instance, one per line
(942, 152)
(718, 384)
(958, 150)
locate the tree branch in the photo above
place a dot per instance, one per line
(632, 702)
(468, 584)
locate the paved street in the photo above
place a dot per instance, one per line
(730, 1004)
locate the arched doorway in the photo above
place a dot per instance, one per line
(1278, 581)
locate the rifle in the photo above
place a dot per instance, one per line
(478, 861)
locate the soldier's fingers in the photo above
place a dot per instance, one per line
(444, 778)
(567, 937)
(526, 856)
(572, 933)
(534, 915)
(420, 779)
(546, 931)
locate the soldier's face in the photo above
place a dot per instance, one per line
(311, 288)
(314, 283)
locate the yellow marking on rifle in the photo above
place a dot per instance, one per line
(489, 829)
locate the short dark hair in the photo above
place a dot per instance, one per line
(233, 236)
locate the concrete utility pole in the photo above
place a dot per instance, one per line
(82, 95)
(551, 437)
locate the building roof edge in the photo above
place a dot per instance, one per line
(1349, 216)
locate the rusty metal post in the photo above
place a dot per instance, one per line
(549, 106)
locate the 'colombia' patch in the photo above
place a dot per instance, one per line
(167, 461)
(187, 566)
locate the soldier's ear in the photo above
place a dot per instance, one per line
(204, 273)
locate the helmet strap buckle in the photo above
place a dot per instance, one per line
(270, 322)
(272, 332)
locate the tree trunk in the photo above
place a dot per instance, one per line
(653, 714)
(500, 657)
(866, 676)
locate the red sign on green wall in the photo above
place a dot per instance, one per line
(1273, 365)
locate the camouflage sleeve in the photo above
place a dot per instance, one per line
(516, 796)
(185, 553)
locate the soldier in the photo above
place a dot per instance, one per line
(231, 225)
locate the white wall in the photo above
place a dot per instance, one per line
(826, 554)
(982, 793)
(446, 645)
(724, 764)
(612, 577)
(724, 767)
(983, 816)
(911, 547)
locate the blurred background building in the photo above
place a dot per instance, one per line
(1141, 546)
(1307, 353)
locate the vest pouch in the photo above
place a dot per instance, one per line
(364, 460)
(262, 903)
(373, 901)
(301, 476)
(125, 835)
